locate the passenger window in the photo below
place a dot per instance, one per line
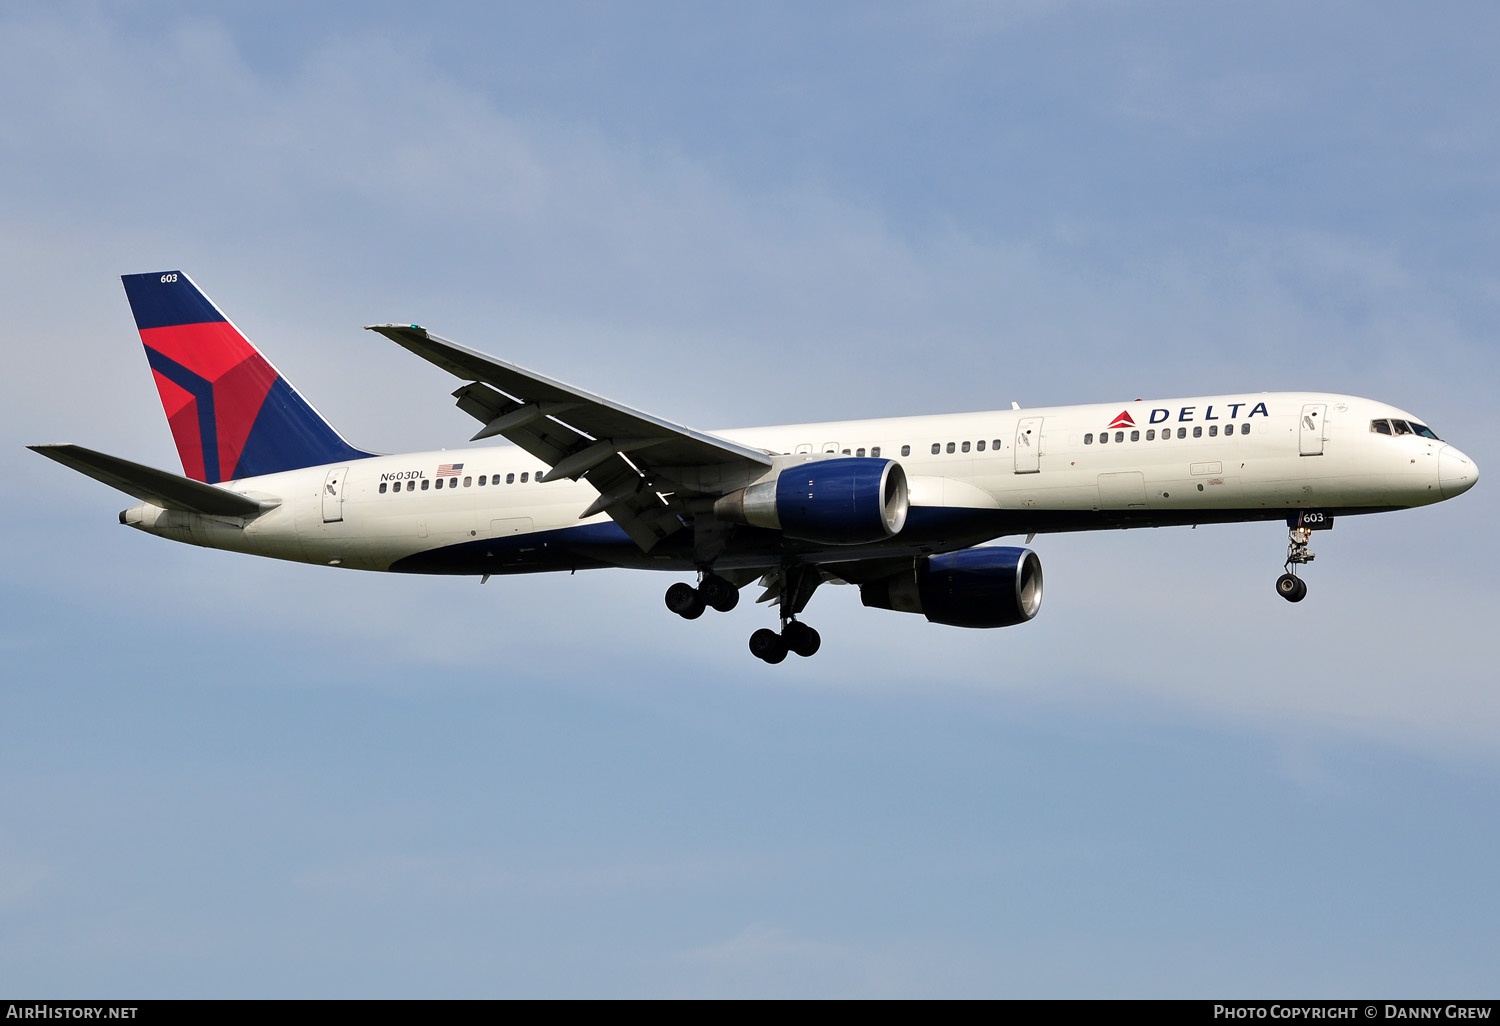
(1213, 431)
(411, 486)
(966, 447)
(1245, 428)
(425, 483)
(979, 445)
(1103, 437)
(951, 447)
(1119, 436)
(996, 445)
(468, 481)
(1182, 432)
(1088, 439)
(482, 478)
(382, 488)
(875, 451)
(859, 452)
(1151, 434)
(936, 448)
(510, 479)
(1135, 436)
(906, 450)
(1198, 431)
(1402, 428)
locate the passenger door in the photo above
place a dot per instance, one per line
(1310, 433)
(333, 495)
(1029, 445)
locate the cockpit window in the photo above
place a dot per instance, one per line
(1403, 427)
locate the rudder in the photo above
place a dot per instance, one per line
(231, 412)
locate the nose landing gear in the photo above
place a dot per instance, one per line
(1289, 586)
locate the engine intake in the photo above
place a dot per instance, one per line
(988, 587)
(849, 501)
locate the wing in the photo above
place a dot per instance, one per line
(650, 473)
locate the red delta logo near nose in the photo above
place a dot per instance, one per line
(1122, 421)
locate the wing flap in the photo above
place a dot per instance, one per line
(167, 490)
(632, 458)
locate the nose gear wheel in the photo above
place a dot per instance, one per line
(1289, 586)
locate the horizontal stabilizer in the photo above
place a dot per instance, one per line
(169, 491)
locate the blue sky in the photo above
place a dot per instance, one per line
(232, 777)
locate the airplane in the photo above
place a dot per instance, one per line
(905, 509)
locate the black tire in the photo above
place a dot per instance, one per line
(684, 600)
(719, 593)
(802, 639)
(1301, 591)
(767, 645)
(1290, 587)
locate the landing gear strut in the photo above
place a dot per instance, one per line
(689, 602)
(789, 587)
(1289, 586)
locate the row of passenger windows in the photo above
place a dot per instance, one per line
(1135, 436)
(937, 448)
(452, 482)
(1402, 427)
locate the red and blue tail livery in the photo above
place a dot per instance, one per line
(232, 414)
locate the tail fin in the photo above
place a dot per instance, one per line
(232, 414)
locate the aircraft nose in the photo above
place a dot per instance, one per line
(1456, 472)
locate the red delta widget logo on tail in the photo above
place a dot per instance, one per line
(232, 414)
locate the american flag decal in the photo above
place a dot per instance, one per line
(450, 469)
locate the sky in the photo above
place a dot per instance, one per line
(228, 777)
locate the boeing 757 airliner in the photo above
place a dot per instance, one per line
(902, 508)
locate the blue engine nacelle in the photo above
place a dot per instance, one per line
(989, 587)
(846, 501)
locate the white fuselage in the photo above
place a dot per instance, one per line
(1179, 461)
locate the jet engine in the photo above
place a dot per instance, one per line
(987, 587)
(849, 501)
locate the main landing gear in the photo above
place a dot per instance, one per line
(789, 587)
(689, 602)
(1289, 586)
(795, 636)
